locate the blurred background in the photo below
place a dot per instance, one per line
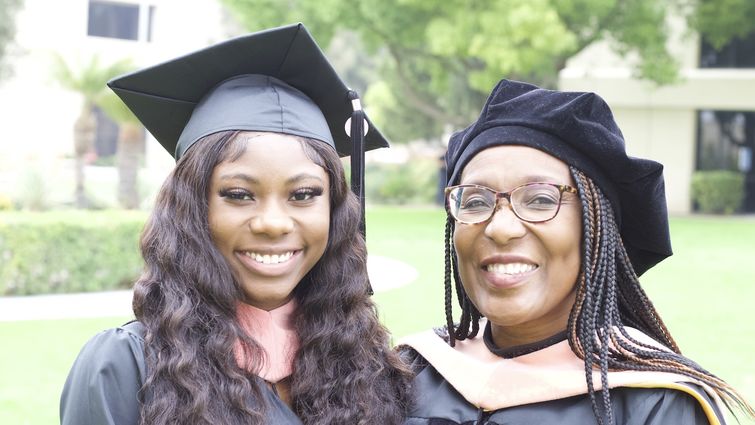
(78, 173)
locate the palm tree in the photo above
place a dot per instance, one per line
(130, 142)
(89, 81)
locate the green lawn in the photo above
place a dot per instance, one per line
(705, 293)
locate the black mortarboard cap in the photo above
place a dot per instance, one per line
(221, 88)
(579, 129)
(276, 80)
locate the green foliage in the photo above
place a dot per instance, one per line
(412, 182)
(720, 21)
(8, 10)
(68, 251)
(114, 108)
(6, 203)
(88, 79)
(33, 193)
(436, 61)
(640, 27)
(718, 192)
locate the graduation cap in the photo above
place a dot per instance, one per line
(579, 129)
(276, 80)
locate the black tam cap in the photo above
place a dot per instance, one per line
(578, 128)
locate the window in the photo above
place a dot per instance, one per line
(735, 54)
(125, 21)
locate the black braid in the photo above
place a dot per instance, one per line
(609, 297)
(447, 283)
(470, 316)
(584, 329)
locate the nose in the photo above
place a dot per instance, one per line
(504, 225)
(272, 221)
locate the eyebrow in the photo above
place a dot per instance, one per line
(240, 176)
(303, 176)
(253, 180)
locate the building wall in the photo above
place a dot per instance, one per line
(660, 123)
(37, 115)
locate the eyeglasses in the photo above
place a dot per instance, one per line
(531, 202)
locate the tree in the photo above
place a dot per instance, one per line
(720, 21)
(130, 143)
(8, 10)
(89, 81)
(438, 59)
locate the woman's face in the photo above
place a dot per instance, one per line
(269, 215)
(520, 275)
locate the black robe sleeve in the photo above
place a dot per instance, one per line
(105, 379)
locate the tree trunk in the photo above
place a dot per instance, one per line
(83, 139)
(130, 140)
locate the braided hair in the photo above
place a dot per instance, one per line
(608, 298)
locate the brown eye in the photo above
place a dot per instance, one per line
(305, 194)
(237, 195)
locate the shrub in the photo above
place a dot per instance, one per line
(718, 192)
(34, 191)
(69, 251)
(413, 182)
(6, 203)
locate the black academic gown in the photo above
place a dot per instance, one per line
(439, 402)
(102, 386)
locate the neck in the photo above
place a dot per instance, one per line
(511, 337)
(507, 336)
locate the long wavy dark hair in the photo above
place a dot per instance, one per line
(344, 371)
(608, 298)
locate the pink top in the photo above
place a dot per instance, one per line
(274, 331)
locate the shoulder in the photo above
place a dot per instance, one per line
(686, 403)
(629, 406)
(104, 381)
(409, 347)
(117, 347)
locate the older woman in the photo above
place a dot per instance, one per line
(550, 223)
(254, 305)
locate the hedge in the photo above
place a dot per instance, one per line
(69, 251)
(413, 182)
(718, 191)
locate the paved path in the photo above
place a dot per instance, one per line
(385, 273)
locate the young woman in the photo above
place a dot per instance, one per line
(550, 223)
(254, 305)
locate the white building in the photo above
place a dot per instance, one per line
(670, 123)
(37, 115)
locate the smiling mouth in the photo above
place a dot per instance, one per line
(510, 268)
(270, 258)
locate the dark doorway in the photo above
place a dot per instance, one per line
(726, 141)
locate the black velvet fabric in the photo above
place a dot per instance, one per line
(579, 129)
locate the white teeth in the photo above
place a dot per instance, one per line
(510, 268)
(270, 259)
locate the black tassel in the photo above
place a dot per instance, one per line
(357, 159)
(357, 153)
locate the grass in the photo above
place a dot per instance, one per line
(34, 362)
(704, 292)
